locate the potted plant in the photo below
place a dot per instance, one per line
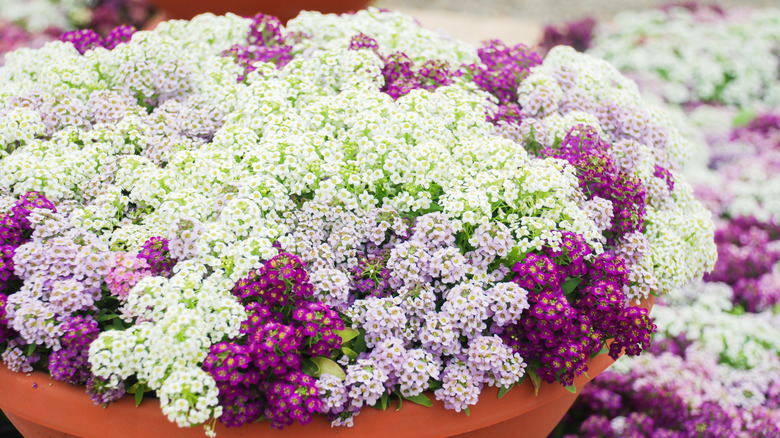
(258, 222)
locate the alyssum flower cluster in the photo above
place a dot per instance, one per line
(256, 221)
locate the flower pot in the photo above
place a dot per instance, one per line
(42, 407)
(284, 10)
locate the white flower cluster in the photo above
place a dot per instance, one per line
(730, 59)
(176, 322)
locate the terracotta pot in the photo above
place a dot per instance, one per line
(285, 10)
(41, 407)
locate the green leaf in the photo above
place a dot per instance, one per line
(138, 388)
(569, 285)
(400, 400)
(586, 375)
(743, 118)
(352, 354)
(106, 317)
(383, 401)
(326, 365)
(360, 342)
(504, 389)
(467, 411)
(535, 379)
(117, 324)
(434, 385)
(420, 399)
(571, 389)
(310, 368)
(30, 350)
(347, 334)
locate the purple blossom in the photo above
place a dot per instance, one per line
(577, 34)
(399, 75)
(102, 393)
(70, 363)
(6, 333)
(600, 177)
(362, 41)
(88, 39)
(261, 372)
(119, 35)
(502, 68)
(293, 397)
(156, 254)
(266, 42)
(650, 403)
(83, 39)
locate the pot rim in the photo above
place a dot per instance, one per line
(38, 398)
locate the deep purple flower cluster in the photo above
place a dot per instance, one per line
(763, 124)
(745, 256)
(561, 329)
(503, 68)
(261, 374)
(282, 281)
(157, 255)
(510, 113)
(577, 34)
(400, 73)
(293, 397)
(599, 176)
(70, 363)
(88, 39)
(6, 265)
(101, 392)
(550, 332)
(363, 41)
(25, 205)
(266, 42)
(654, 411)
(6, 333)
(118, 35)
(15, 229)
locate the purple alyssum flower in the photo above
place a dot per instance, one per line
(69, 363)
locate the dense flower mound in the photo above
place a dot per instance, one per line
(257, 221)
